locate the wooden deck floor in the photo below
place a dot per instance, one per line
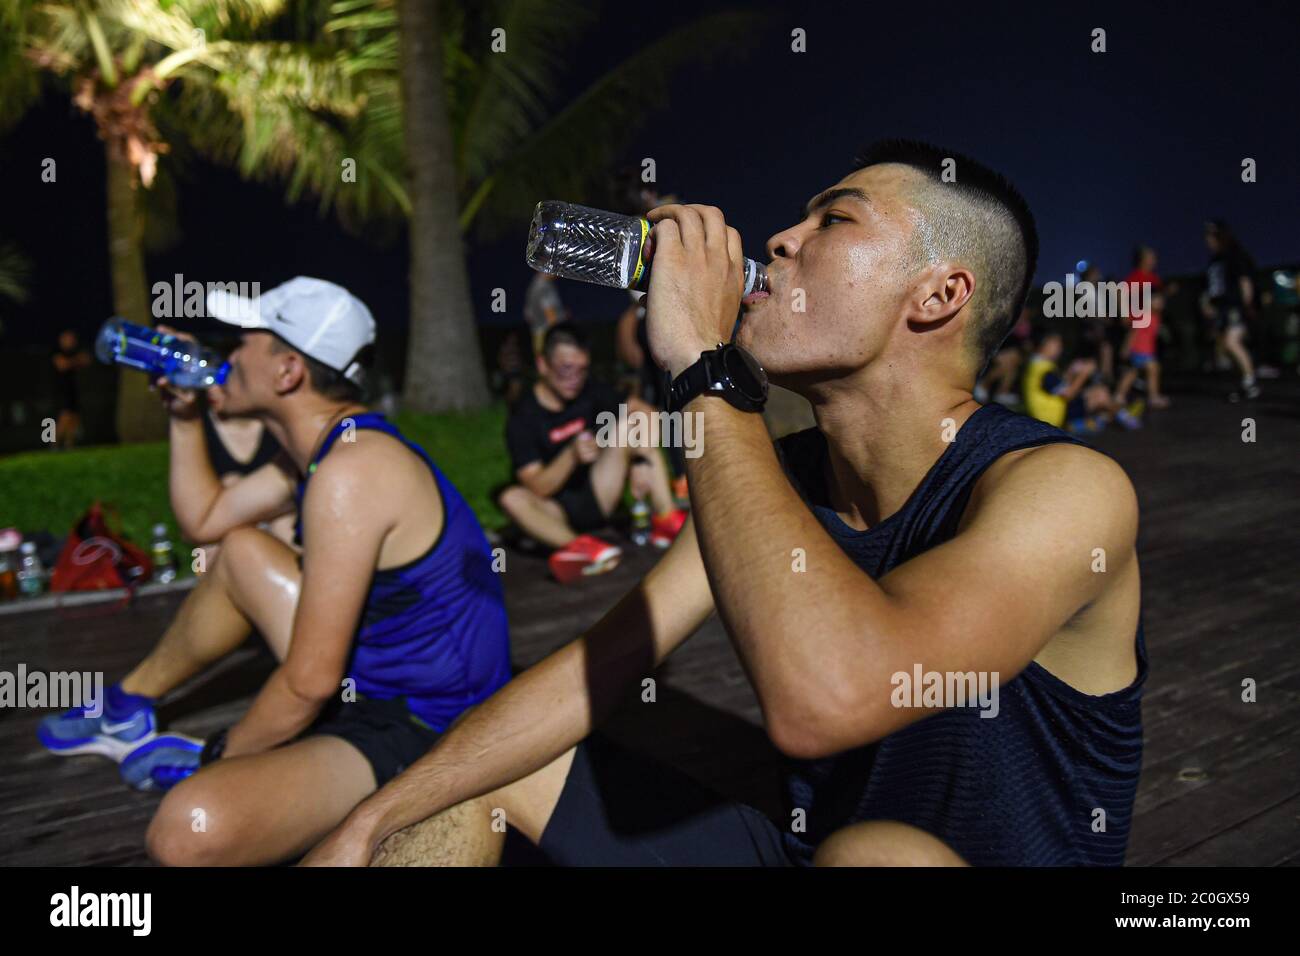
(1220, 556)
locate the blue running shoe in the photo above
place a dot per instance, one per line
(161, 763)
(113, 734)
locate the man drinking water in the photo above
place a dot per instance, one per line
(912, 530)
(386, 626)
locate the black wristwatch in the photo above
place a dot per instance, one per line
(727, 371)
(213, 748)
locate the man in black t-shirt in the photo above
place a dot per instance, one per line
(568, 484)
(1230, 300)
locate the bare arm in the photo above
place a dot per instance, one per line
(345, 523)
(821, 647)
(553, 705)
(546, 480)
(205, 509)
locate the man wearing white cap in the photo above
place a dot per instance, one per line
(386, 625)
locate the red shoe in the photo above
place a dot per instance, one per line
(581, 556)
(665, 528)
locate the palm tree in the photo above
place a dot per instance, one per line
(485, 139)
(185, 66)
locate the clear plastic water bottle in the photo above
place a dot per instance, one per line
(640, 522)
(164, 559)
(186, 364)
(590, 245)
(31, 573)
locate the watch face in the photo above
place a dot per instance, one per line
(745, 373)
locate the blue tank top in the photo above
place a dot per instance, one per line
(1018, 789)
(433, 630)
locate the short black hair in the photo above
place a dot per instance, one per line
(564, 333)
(324, 380)
(990, 222)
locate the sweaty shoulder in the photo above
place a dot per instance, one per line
(1071, 488)
(371, 464)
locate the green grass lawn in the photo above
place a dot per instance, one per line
(46, 490)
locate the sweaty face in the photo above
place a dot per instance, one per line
(565, 370)
(253, 366)
(839, 279)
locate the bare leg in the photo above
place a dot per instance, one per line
(609, 473)
(469, 834)
(884, 843)
(542, 518)
(1158, 399)
(254, 581)
(262, 808)
(1125, 383)
(1235, 347)
(660, 488)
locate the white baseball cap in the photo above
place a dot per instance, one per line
(322, 320)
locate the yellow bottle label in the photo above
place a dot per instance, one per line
(640, 255)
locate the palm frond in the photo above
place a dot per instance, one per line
(19, 79)
(514, 88)
(567, 155)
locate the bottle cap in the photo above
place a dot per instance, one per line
(29, 547)
(159, 530)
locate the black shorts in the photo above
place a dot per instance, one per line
(581, 507)
(1227, 317)
(388, 735)
(621, 809)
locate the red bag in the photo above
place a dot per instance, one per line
(96, 557)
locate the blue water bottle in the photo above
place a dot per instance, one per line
(186, 364)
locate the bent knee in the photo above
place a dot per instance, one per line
(884, 843)
(189, 829)
(239, 546)
(514, 499)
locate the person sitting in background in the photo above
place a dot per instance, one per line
(67, 360)
(237, 447)
(387, 626)
(1097, 341)
(999, 379)
(1144, 331)
(1073, 400)
(508, 380)
(568, 485)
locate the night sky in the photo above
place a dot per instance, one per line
(1142, 142)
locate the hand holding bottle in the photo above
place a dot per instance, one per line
(181, 403)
